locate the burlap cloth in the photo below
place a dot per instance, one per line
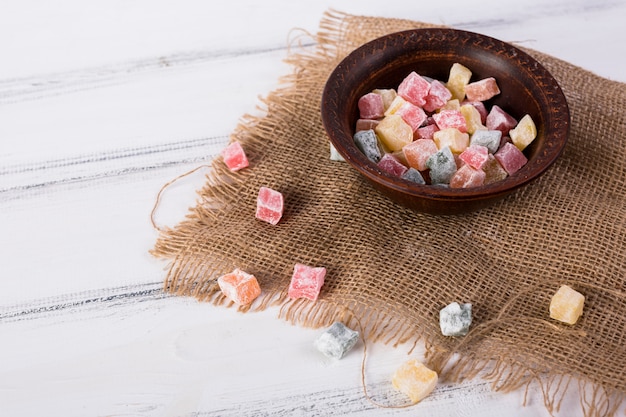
(394, 268)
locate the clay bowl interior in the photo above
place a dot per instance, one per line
(526, 88)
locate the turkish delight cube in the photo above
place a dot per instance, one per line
(472, 118)
(482, 110)
(482, 90)
(366, 124)
(415, 380)
(493, 170)
(371, 106)
(367, 142)
(455, 139)
(391, 165)
(395, 105)
(414, 116)
(336, 341)
(458, 78)
(455, 319)
(306, 282)
(511, 158)
(524, 133)
(498, 119)
(488, 138)
(437, 97)
(394, 132)
(239, 287)
(467, 177)
(414, 88)
(567, 305)
(334, 154)
(234, 157)
(453, 104)
(475, 156)
(426, 132)
(451, 119)
(413, 175)
(388, 95)
(269, 205)
(442, 166)
(418, 152)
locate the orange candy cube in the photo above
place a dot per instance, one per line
(414, 379)
(239, 287)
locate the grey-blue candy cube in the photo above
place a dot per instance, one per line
(413, 175)
(487, 138)
(455, 319)
(336, 341)
(442, 166)
(367, 142)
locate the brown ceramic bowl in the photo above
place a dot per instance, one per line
(526, 88)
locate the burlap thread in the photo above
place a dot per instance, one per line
(393, 269)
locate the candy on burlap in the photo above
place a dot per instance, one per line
(493, 170)
(414, 116)
(567, 305)
(391, 165)
(437, 97)
(414, 89)
(388, 95)
(415, 380)
(442, 166)
(455, 319)
(472, 118)
(487, 138)
(456, 140)
(511, 158)
(334, 155)
(336, 341)
(306, 282)
(413, 175)
(498, 119)
(367, 142)
(467, 177)
(234, 157)
(394, 132)
(450, 119)
(240, 287)
(418, 152)
(366, 124)
(524, 133)
(269, 205)
(482, 90)
(371, 106)
(458, 78)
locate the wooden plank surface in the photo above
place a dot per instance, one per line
(101, 103)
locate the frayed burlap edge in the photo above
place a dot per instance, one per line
(189, 277)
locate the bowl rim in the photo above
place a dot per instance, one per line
(360, 163)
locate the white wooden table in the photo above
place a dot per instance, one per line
(103, 102)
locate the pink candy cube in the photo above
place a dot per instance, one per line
(392, 165)
(438, 95)
(475, 156)
(366, 124)
(451, 119)
(306, 282)
(467, 177)
(269, 205)
(482, 90)
(511, 158)
(418, 152)
(371, 106)
(498, 119)
(235, 157)
(414, 116)
(426, 132)
(414, 89)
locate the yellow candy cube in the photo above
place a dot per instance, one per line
(524, 133)
(453, 104)
(472, 118)
(415, 380)
(388, 96)
(567, 305)
(394, 132)
(395, 104)
(457, 80)
(452, 137)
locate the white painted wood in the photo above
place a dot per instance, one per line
(101, 103)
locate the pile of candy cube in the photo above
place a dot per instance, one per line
(430, 132)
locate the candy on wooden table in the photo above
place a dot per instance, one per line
(467, 177)
(414, 88)
(336, 341)
(394, 132)
(457, 80)
(413, 175)
(455, 319)
(567, 305)
(442, 166)
(487, 138)
(234, 157)
(475, 156)
(415, 380)
(371, 106)
(511, 158)
(426, 132)
(367, 142)
(524, 133)
(493, 170)
(498, 119)
(306, 282)
(366, 124)
(414, 116)
(437, 97)
(391, 165)
(334, 155)
(269, 205)
(239, 287)
(480, 106)
(472, 118)
(387, 94)
(450, 118)
(455, 139)
(482, 90)
(418, 152)
(395, 105)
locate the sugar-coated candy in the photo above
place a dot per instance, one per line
(391, 165)
(482, 90)
(467, 177)
(371, 106)
(488, 138)
(336, 341)
(498, 119)
(493, 170)
(367, 142)
(334, 155)
(453, 104)
(306, 282)
(524, 133)
(482, 110)
(414, 89)
(388, 95)
(567, 305)
(395, 105)
(451, 119)
(269, 205)
(458, 78)
(475, 156)
(437, 97)
(453, 138)
(426, 132)
(394, 132)
(413, 175)
(455, 319)
(234, 156)
(442, 166)
(366, 124)
(472, 118)
(511, 158)
(239, 287)
(414, 116)
(415, 380)
(418, 152)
